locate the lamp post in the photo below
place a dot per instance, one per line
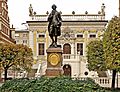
(26, 25)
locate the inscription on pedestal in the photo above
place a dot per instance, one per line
(54, 62)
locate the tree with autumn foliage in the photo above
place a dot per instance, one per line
(13, 55)
(95, 57)
(111, 44)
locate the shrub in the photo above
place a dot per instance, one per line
(56, 84)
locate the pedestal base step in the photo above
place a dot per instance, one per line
(53, 72)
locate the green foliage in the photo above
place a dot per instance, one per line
(15, 55)
(111, 44)
(12, 55)
(57, 84)
(95, 56)
(25, 57)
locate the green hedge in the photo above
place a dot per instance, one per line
(57, 84)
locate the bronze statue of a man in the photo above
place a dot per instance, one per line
(54, 25)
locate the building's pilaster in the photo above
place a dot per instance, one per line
(34, 43)
(47, 40)
(31, 40)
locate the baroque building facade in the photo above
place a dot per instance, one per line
(6, 33)
(77, 31)
(5, 30)
(22, 37)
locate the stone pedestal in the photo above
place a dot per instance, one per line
(54, 62)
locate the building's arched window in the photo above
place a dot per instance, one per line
(66, 48)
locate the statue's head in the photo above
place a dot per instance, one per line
(54, 7)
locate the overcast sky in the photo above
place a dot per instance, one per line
(19, 13)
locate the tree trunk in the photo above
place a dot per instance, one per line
(0, 75)
(113, 79)
(5, 76)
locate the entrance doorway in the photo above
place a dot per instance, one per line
(67, 70)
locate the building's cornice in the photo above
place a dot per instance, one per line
(16, 31)
(70, 21)
(8, 39)
(72, 17)
(3, 20)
